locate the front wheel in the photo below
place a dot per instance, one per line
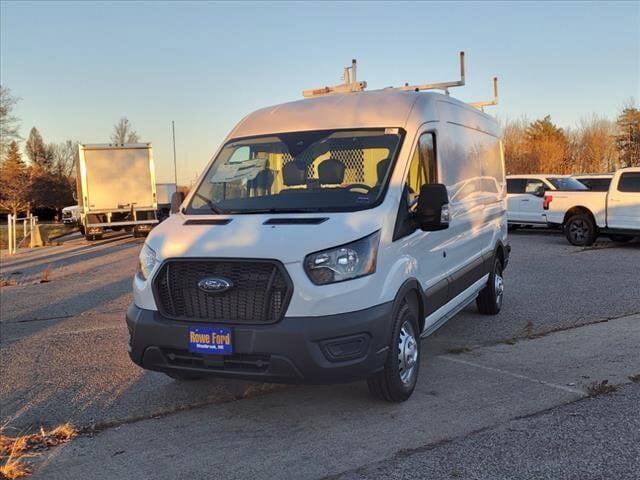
(397, 380)
(580, 230)
(490, 298)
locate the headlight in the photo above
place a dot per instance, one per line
(345, 262)
(146, 261)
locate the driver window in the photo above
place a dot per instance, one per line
(423, 168)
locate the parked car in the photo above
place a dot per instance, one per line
(525, 195)
(325, 239)
(71, 215)
(586, 214)
(598, 182)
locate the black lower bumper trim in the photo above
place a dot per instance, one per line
(326, 349)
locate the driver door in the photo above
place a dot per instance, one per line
(531, 202)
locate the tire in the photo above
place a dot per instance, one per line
(621, 238)
(580, 230)
(81, 228)
(184, 377)
(490, 298)
(397, 381)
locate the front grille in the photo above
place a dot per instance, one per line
(260, 293)
(235, 362)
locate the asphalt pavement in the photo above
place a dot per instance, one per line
(568, 320)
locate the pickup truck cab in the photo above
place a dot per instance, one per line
(326, 237)
(525, 196)
(586, 214)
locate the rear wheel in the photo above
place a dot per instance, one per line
(580, 230)
(397, 380)
(490, 298)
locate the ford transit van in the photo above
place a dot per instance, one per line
(326, 237)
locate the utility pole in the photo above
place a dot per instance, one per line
(175, 168)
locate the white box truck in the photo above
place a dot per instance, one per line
(116, 188)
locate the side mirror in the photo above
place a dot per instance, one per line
(432, 212)
(540, 191)
(176, 200)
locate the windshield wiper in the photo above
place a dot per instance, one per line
(211, 205)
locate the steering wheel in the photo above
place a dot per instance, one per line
(362, 186)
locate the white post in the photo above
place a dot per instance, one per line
(24, 228)
(9, 233)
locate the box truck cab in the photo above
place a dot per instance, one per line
(326, 237)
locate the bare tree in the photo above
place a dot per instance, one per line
(593, 146)
(515, 145)
(65, 157)
(9, 123)
(123, 132)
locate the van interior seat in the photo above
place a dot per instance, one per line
(331, 172)
(294, 174)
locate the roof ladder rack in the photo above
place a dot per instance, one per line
(350, 84)
(439, 86)
(488, 103)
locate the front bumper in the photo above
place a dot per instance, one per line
(327, 349)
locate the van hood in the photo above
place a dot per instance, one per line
(247, 236)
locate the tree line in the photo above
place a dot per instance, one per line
(46, 178)
(595, 145)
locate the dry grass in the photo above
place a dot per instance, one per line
(459, 350)
(600, 388)
(7, 282)
(14, 450)
(45, 276)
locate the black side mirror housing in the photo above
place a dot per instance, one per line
(540, 191)
(432, 212)
(176, 200)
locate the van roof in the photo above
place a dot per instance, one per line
(369, 109)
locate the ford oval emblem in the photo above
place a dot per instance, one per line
(215, 284)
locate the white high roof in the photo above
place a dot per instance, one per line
(372, 109)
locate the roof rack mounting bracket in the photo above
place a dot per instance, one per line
(350, 84)
(488, 103)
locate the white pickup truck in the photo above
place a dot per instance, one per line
(586, 214)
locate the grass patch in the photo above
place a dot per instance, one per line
(600, 388)
(15, 450)
(49, 231)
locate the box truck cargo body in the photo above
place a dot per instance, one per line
(116, 188)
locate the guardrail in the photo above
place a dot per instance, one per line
(29, 227)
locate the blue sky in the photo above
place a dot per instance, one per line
(79, 67)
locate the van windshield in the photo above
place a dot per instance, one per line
(329, 170)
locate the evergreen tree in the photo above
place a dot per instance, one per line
(14, 181)
(547, 147)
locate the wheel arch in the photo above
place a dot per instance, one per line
(579, 210)
(412, 292)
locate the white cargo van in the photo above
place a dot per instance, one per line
(525, 196)
(324, 239)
